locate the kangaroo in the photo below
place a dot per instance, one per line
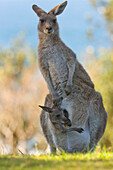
(58, 63)
(89, 117)
(53, 125)
(59, 119)
(67, 79)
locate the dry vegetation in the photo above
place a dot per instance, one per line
(22, 89)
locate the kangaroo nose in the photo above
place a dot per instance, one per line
(49, 29)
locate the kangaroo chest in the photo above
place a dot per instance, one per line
(58, 68)
(57, 65)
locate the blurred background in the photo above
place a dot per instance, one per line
(86, 26)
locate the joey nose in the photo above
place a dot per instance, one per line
(69, 123)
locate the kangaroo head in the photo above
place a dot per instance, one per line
(48, 21)
(57, 115)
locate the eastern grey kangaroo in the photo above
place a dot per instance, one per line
(53, 125)
(58, 63)
(67, 79)
(90, 116)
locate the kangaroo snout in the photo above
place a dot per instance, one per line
(66, 121)
(49, 29)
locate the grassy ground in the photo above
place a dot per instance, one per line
(96, 160)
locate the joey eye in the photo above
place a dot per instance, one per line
(57, 116)
(42, 20)
(54, 20)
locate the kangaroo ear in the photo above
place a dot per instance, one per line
(58, 9)
(38, 10)
(47, 109)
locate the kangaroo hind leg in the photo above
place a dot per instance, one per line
(97, 119)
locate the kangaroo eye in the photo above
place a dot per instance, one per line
(42, 20)
(57, 116)
(54, 20)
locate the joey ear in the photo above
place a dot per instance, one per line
(47, 109)
(38, 10)
(58, 9)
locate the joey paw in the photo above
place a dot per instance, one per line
(80, 130)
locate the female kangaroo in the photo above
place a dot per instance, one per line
(66, 78)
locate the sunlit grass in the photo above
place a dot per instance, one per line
(100, 160)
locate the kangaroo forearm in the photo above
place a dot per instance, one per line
(71, 129)
(50, 83)
(79, 130)
(71, 73)
(68, 129)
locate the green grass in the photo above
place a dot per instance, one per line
(96, 160)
